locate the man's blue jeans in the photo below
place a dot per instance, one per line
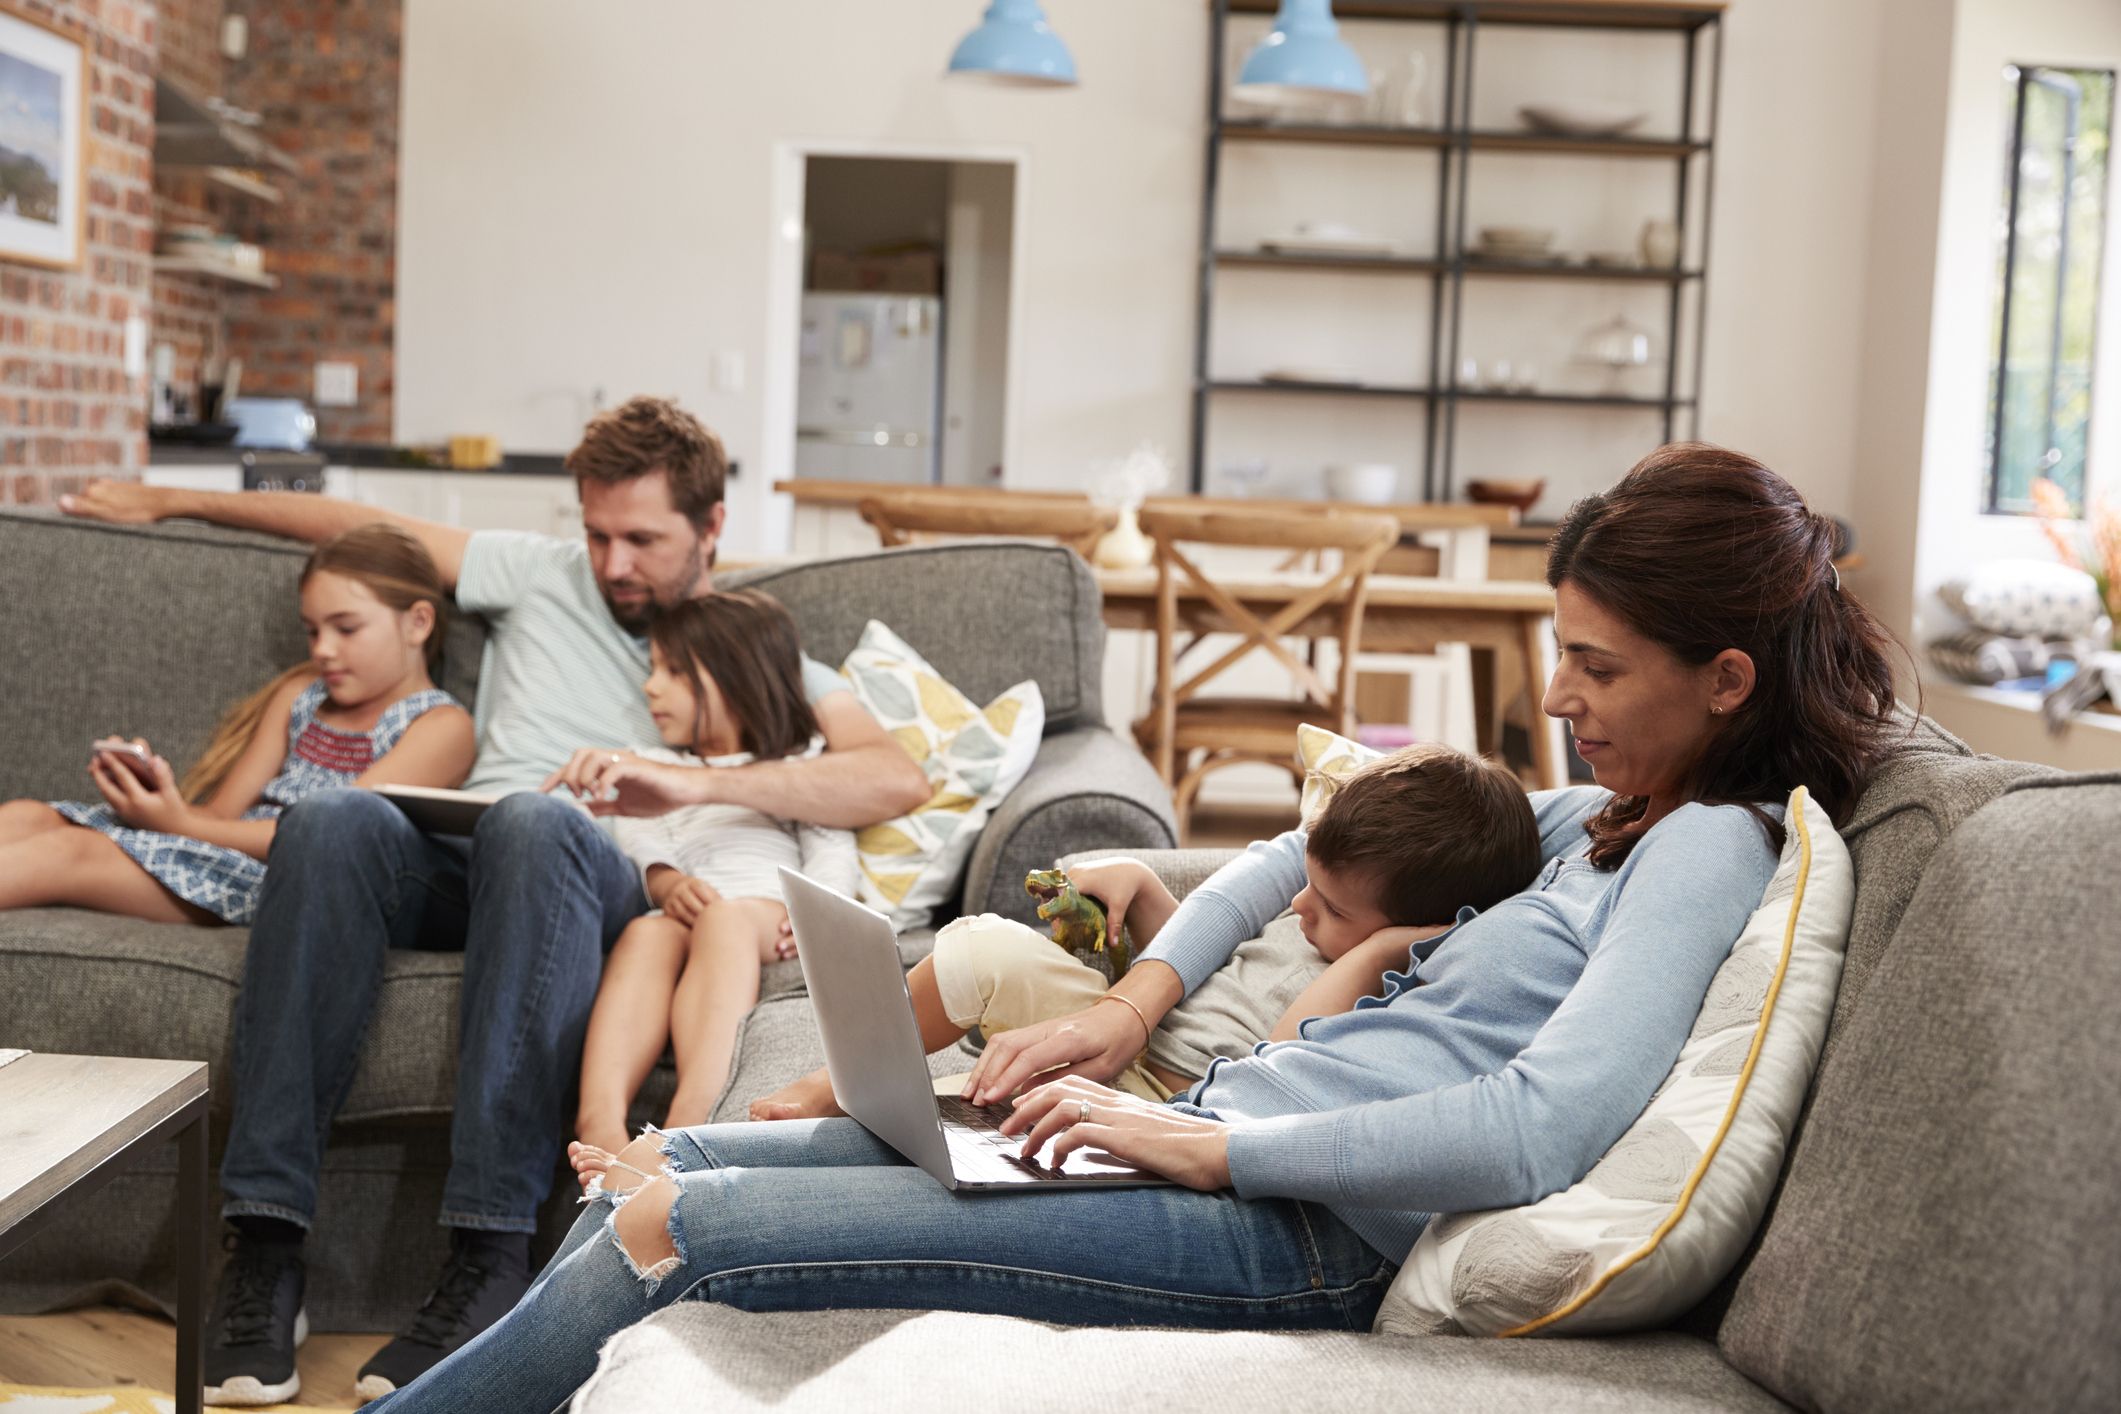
(805, 1215)
(535, 900)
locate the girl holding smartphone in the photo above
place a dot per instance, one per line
(362, 711)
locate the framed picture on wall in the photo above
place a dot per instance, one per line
(43, 114)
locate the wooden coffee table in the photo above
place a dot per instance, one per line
(68, 1124)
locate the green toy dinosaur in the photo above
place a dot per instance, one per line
(1079, 923)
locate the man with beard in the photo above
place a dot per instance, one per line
(533, 899)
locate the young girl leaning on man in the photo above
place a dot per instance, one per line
(362, 711)
(687, 974)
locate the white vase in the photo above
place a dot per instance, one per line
(1659, 245)
(1123, 547)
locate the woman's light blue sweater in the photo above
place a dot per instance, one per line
(1516, 1051)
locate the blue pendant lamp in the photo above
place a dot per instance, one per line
(1014, 45)
(1303, 59)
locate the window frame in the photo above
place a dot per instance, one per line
(2028, 76)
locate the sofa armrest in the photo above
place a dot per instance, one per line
(1182, 870)
(1086, 789)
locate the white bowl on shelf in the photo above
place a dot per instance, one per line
(1367, 483)
(1581, 119)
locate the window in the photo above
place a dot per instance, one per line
(2050, 245)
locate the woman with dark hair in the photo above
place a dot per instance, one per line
(1710, 662)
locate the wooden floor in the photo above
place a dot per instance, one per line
(102, 1346)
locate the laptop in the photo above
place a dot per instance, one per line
(879, 1072)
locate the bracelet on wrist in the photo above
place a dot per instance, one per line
(1128, 1003)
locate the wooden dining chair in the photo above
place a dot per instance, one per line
(1072, 520)
(1227, 730)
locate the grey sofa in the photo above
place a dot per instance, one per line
(152, 631)
(1947, 1234)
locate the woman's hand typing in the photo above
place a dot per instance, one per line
(1076, 1114)
(1097, 1042)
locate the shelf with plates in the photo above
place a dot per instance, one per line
(1679, 15)
(1452, 260)
(214, 270)
(1460, 394)
(1325, 260)
(1300, 385)
(1474, 265)
(1376, 135)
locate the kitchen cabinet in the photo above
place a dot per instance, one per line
(478, 500)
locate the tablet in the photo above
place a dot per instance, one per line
(439, 812)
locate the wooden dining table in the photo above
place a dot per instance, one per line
(1403, 614)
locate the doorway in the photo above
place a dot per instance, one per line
(903, 345)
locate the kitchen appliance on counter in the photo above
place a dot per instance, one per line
(267, 470)
(869, 392)
(285, 424)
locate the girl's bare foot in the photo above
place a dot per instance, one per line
(608, 1135)
(622, 1172)
(808, 1098)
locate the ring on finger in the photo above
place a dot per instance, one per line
(1082, 1111)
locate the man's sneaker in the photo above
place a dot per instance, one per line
(479, 1285)
(257, 1323)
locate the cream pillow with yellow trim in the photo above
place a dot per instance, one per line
(1672, 1205)
(973, 756)
(1328, 758)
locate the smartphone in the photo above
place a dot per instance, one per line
(135, 759)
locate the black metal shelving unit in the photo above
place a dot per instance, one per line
(1451, 266)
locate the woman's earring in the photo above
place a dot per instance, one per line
(1714, 710)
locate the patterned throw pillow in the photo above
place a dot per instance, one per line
(973, 757)
(2026, 597)
(1328, 758)
(1672, 1205)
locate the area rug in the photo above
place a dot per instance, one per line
(120, 1399)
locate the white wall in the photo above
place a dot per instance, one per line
(586, 194)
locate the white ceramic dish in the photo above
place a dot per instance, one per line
(1581, 119)
(1297, 373)
(1315, 245)
(1369, 483)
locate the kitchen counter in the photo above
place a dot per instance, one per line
(366, 456)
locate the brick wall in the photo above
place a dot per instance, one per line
(189, 309)
(325, 78)
(67, 408)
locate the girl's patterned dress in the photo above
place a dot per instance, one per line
(225, 882)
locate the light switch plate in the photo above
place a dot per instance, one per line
(338, 385)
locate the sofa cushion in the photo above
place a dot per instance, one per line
(79, 981)
(1669, 1208)
(973, 757)
(1950, 1230)
(882, 1361)
(1049, 627)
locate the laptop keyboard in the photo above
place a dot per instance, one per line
(980, 1151)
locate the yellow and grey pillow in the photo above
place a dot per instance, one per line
(973, 756)
(1328, 758)
(1673, 1203)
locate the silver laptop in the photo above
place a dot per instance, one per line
(879, 1072)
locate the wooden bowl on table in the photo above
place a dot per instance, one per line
(1521, 494)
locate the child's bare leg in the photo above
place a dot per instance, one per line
(811, 1097)
(721, 983)
(19, 819)
(80, 867)
(628, 1026)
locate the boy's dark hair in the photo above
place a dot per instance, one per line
(747, 643)
(1435, 829)
(644, 435)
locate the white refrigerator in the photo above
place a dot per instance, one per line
(869, 393)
